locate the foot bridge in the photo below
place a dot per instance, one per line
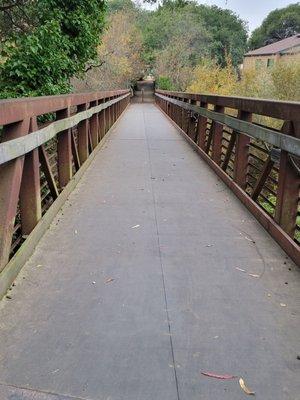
(149, 251)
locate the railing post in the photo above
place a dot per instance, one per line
(105, 119)
(10, 182)
(288, 186)
(30, 190)
(64, 151)
(101, 120)
(242, 153)
(185, 117)
(216, 137)
(192, 123)
(201, 128)
(83, 136)
(94, 126)
(109, 116)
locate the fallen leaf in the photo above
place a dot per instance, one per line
(245, 388)
(217, 376)
(254, 275)
(135, 226)
(250, 240)
(109, 280)
(240, 269)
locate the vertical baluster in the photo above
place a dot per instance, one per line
(242, 153)
(216, 136)
(83, 136)
(94, 126)
(202, 126)
(30, 191)
(64, 151)
(288, 186)
(10, 182)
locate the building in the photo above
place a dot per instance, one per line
(265, 57)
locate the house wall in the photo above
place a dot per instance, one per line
(251, 62)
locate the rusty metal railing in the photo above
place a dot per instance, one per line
(254, 146)
(45, 141)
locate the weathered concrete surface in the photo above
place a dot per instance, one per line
(151, 215)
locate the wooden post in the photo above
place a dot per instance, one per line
(101, 121)
(242, 153)
(64, 151)
(94, 126)
(192, 124)
(201, 128)
(217, 135)
(288, 186)
(10, 183)
(83, 136)
(30, 190)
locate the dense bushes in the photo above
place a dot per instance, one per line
(62, 38)
(280, 82)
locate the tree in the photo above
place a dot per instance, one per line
(183, 50)
(63, 37)
(279, 24)
(120, 5)
(16, 16)
(119, 55)
(226, 31)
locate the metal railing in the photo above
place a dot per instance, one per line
(254, 146)
(45, 141)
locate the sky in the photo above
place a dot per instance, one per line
(252, 11)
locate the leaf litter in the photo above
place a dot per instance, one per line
(217, 376)
(242, 383)
(245, 388)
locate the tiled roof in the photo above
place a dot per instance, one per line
(277, 47)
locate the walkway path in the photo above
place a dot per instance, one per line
(137, 287)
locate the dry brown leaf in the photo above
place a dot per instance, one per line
(254, 275)
(245, 388)
(218, 376)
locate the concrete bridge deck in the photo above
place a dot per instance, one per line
(138, 286)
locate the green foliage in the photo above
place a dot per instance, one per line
(63, 39)
(212, 31)
(164, 83)
(228, 32)
(120, 5)
(279, 24)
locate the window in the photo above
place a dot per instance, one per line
(270, 62)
